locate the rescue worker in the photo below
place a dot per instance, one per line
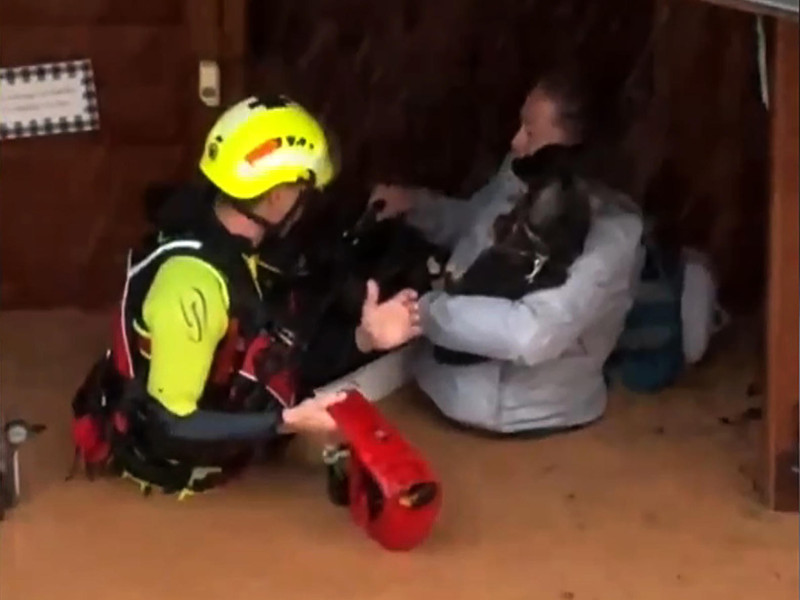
(194, 335)
(547, 349)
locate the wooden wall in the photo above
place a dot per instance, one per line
(429, 93)
(419, 92)
(70, 204)
(712, 188)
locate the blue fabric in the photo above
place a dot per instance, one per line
(649, 354)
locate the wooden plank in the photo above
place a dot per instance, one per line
(87, 188)
(85, 212)
(203, 19)
(234, 29)
(39, 12)
(235, 35)
(140, 73)
(46, 186)
(143, 114)
(780, 484)
(713, 130)
(119, 218)
(121, 54)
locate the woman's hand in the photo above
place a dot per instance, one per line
(389, 324)
(311, 415)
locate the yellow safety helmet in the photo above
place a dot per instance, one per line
(258, 144)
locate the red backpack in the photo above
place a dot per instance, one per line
(95, 416)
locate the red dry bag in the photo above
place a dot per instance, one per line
(394, 495)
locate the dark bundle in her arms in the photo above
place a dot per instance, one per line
(536, 242)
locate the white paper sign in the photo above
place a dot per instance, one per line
(47, 99)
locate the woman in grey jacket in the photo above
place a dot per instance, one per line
(548, 348)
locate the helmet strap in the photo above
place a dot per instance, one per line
(281, 227)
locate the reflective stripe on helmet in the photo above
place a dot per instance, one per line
(283, 158)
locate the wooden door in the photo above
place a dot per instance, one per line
(71, 204)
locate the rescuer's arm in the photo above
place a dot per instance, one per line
(186, 314)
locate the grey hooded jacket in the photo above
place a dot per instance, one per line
(548, 348)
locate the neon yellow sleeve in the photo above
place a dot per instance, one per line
(186, 314)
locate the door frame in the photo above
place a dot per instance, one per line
(218, 33)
